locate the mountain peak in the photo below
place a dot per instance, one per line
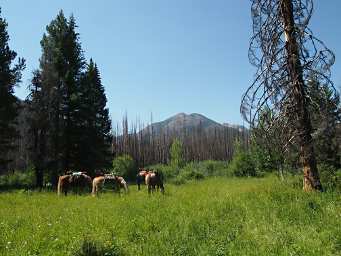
(189, 122)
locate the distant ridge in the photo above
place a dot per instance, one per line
(189, 122)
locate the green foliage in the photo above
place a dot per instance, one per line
(191, 174)
(124, 166)
(55, 98)
(18, 179)
(176, 154)
(264, 159)
(10, 76)
(95, 132)
(217, 216)
(192, 171)
(242, 164)
(325, 113)
(330, 177)
(68, 118)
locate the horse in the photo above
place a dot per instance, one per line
(141, 177)
(69, 180)
(99, 181)
(153, 179)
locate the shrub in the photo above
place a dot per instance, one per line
(330, 177)
(242, 163)
(18, 179)
(192, 175)
(124, 166)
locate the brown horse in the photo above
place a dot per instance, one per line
(73, 180)
(141, 177)
(154, 179)
(99, 181)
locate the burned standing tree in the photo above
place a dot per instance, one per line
(286, 54)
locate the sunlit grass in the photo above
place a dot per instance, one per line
(211, 217)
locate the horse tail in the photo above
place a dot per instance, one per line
(59, 186)
(147, 179)
(94, 185)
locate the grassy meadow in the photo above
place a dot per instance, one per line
(225, 216)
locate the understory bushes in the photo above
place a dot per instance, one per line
(243, 165)
(330, 177)
(124, 166)
(192, 171)
(18, 179)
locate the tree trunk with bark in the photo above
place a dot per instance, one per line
(311, 180)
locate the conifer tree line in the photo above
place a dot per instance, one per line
(67, 124)
(10, 75)
(149, 147)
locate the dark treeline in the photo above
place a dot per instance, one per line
(151, 146)
(10, 76)
(64, 123)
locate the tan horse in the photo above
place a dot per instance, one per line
(78, 179)
(99, 181)
(154, 179)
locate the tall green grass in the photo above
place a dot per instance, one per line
(211, 217)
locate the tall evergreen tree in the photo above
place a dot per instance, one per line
(95, 125)
(69, 121)
(38, 126)
(10, 76)
(61, 67)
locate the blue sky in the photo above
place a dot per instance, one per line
(162, 56)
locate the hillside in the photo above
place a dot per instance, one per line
(188, 122)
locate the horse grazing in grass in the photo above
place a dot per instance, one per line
(141, 177)
(73, 180)
(154, 179)
(99, 181)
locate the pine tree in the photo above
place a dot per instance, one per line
(95, 130)
(61, 67)
(10, 76)
(38, 126)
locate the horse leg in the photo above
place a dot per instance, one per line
(138, 182)
(162, 189)
(149, 189)
(125, 186)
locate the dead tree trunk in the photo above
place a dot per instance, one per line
(311, 180)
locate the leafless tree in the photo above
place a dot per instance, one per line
(147, 146)
(286, 54)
